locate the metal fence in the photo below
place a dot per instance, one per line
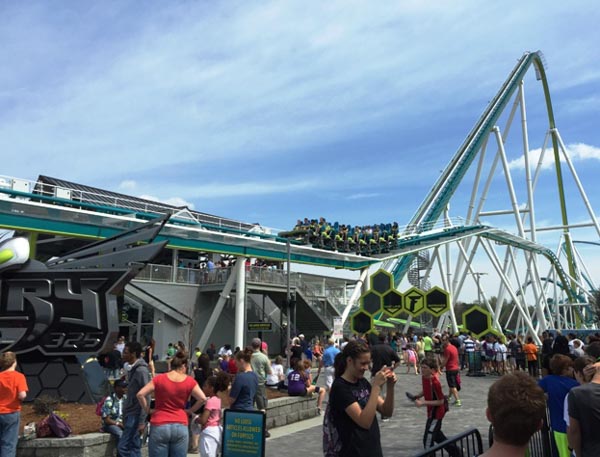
(468, 443)
(540, 444)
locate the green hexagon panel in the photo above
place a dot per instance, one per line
(477, 321)
(414, 301)
(371, 302)
(382, 281)
(393, 302)
(361, 322)
(437, 301)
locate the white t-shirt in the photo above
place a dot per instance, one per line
(276, 374)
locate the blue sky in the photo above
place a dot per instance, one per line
(272, 111)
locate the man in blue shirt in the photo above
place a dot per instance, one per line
(327, 361)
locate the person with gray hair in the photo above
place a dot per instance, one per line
(261, 365)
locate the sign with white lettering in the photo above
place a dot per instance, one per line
(243, 434)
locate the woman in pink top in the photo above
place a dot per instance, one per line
(169, 433)
(215, 388)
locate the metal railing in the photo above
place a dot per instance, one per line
(464, 444)
(540, 443)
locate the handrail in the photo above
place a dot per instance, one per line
(468, 443)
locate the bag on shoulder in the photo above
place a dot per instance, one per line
(99, 406)
(332, 444)
(59, 426)
(42, 428)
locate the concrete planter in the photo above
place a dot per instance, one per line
(281, 411)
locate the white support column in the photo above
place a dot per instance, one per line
(210, 325)
(174, 265)
(356, 293)
(240, 302)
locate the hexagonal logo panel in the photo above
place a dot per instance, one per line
(393, 303)
(414, 301)
(382, 281)
(361, 322)
(477, 321)
(437, 301)
(371, 302)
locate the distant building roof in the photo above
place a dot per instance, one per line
(47, 185)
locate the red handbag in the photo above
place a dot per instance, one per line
(42, 428)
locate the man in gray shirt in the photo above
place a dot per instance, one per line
(134, 417)
(261, 365)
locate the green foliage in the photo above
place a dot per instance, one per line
(45, 404)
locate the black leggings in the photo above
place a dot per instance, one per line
(433, 434)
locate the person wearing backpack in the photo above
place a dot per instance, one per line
(433, 398)
(350, 427)
(111, 410)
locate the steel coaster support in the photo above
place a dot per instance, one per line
(218, 309)
(528, 179)
(504, 279)
(356, 293)
(584, 197)
(470, 271)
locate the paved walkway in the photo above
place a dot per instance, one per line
(402, 435)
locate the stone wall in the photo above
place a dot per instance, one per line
(90, 445)
(287, 410)
(281, 411)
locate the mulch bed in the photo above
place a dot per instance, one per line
(82, 418)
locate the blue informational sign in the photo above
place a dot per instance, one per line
(243, 434)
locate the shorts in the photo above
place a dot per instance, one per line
(304, 393)
(260, 398)
(329, 376)
(452, 379)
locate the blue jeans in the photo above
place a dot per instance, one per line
(130, 444)
(169, 440)
(9, 433)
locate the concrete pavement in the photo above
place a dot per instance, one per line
(400, 436)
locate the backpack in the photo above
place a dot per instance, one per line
(99, 406)
(332, 444)
(60, 428)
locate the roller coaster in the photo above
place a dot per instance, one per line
(505, 233)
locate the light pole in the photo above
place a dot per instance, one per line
(477, 276)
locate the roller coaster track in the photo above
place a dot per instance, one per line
(438, 198)
(428, 240)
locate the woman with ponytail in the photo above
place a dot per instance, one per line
(13, 390)
(245, 385)
(354, 402)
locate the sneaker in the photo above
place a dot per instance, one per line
(457, 403)
(410, 396)
(385, 419)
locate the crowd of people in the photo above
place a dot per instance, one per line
(364, 240)
(183, 406)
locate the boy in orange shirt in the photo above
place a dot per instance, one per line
(530, 350)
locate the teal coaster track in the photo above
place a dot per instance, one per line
(56, 211)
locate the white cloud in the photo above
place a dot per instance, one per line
(577, 152)
(173, 201)
(127, 184)
(359, 196)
